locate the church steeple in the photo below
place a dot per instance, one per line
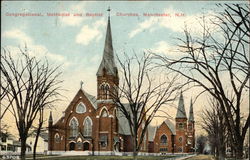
(50, 117)
(191, 112)
(108, 63)
(181, 113)
(107, 74)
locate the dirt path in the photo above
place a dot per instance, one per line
(201, 157)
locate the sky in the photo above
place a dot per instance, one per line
(76, 42)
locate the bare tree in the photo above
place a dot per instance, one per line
(218, 61)
(3, 91)
(142, 94)
(38, 130)
(213, 122)
(33, 86)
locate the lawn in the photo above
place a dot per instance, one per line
(104, 158)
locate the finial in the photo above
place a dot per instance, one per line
(109, 11)
(81, 83)
(25, 46)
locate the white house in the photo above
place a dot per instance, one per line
(42, 144)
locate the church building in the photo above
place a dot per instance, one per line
(170, 138)
(93, 125)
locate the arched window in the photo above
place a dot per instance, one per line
(81, 108)
(87, 127)
(181, 125)
(104, 113)
(104, 91)
(73, 127)
(57, 138)
(164, 139)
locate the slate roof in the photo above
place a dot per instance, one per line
(181, 113)
(108, 56)
(123, 122)
(191, 112)
(152, 129)
(151, 132)
(170, 126)
(91, 98)
(44, 135)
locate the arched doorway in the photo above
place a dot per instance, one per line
(86, 146)
(72, 146)
(117, 147)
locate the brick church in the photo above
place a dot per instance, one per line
(93, 125)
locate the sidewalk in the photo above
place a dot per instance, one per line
(181, 158)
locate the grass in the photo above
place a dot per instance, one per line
(105, 158)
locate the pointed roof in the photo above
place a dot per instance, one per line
(90, 97)
(170, 126)
(181, 113)
(50, 117)
(191, 112)
(108, 56)
(151, 132)
(123, 122)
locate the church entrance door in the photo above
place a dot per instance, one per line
(72, 146)
(85, 146)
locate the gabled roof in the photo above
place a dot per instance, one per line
(44, 135)
(151, 132)
(152, 129)
(181, 113)
(108, 62)
(123, 122)
(170, 126)
(91, 98)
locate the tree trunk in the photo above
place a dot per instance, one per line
(36, 140)
(221, 153)
(217, 153)
(134, 147)
(23, 146)
(221, 141)
(239, 151)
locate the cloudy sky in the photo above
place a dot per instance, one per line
(76, 42)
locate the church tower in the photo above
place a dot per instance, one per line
(181, 127)
(50, 137)
(191, 129)
(107, 80)
(107, 74)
